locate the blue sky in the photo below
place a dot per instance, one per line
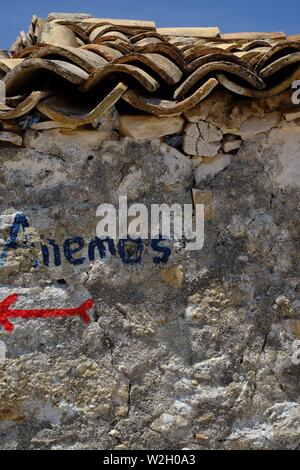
(229, 15)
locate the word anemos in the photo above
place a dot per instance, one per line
(77, 251)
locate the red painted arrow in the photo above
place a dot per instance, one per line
(6, 312)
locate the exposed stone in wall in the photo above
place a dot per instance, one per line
(201, 352)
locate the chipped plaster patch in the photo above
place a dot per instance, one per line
(286, 142)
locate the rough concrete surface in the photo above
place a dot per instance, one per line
(198, 353)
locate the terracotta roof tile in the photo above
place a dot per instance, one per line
(190, 32)
(253, 36)
(89, 64)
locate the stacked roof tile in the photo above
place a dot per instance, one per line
(73, 68)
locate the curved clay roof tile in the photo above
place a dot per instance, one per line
(215, 57)
(148, 82)
(278, 48)
(107, 52)
(85, 59)
(25, 106)
(267, 93)
(147, 34)
(279, 64)
(167, 50)
(104, 31)
(164, 67)
(219, 66)
(122, 47)
(57, 109)
(15, 78)
(159, 106)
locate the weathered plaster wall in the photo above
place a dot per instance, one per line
(197, 353)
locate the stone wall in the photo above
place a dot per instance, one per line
(200, 352)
